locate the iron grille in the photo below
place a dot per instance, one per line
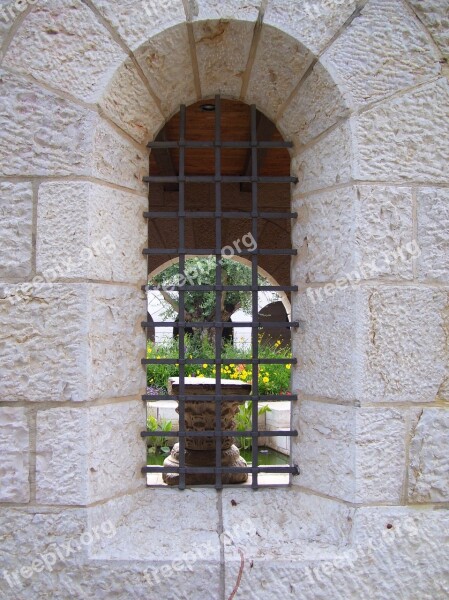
(182, 252)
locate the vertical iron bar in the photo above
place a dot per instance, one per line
(255, 298)
(218, 297)
(182, 314)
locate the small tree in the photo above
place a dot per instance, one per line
(201, 306)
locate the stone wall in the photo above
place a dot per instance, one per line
(362, 89)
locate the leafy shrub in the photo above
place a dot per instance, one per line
(155, 443)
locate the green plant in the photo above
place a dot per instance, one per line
(243, 422)
(157, 442)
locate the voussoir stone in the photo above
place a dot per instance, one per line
(435, 16)
(61, 43)
(203, 10)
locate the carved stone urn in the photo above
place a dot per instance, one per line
(200, 416)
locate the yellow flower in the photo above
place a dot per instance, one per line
(150, 350)
(288, 366)
(201, 375)
(244, 374)
(266, 379)
(158, 357)
(204, 366)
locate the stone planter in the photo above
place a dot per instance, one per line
(200, 416)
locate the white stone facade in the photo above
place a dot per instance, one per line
(362, 89)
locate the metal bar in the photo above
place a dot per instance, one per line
(181, 300)
(218, 292)
(161, 145)
(225, 288)
(262, 469)
(223, 324)
(221, 398)
(218, 252)
(211, 179)
(220, 433)
(196, 214)
(222, 361)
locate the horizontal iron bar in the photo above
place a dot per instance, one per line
(219, 361)
(221, 397)
(197, 214)
(262, 469)
(223, 288)
(219, 252)
(158, 145)
(218, 179)
(220, 434)
(222, 324)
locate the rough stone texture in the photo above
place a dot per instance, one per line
(128, 103)
(62, 456)
(139, 20)
(117, 160)
(327, 162)
(406, 137)
(222, 49)
(435, 16)
(62, 44)
(116, 341)
(14, 450)
(16, 212)
(286, 526)
(97, 232)
(326, 344)
(317, 105)
(87, 455)
(6, 21)
(280, 63)
(383, 51)
(429, 457)
(158, 541)
(313, 22)
(433, 234)
(203, 10)
(41, 134)
(406, 560)
(404, 344)
(42, 349)
(166, 61)
(380, 454)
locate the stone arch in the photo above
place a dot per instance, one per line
(369, 119)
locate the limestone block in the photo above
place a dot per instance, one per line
(404, 344)
(325, 449)
(383, 51)
(317, 105)
(117, 160)
(62, 452)
(90, 231)
(222, 49)
(327, 343)
(16, 211)
(433, 234)
(155, 542)
(405, 138)
(166, 62)
(327, 162)
(41, 134)
(62, 44)
(396, 552)
(280, 63)
(139, 20)
(14, 449)
(283, 525)
(380, 454)
(128, 103)
(429, 457)
(210, 10)
(8, 16)
(116, 341)
(435, 16)
(313, 23)
(43, 353)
